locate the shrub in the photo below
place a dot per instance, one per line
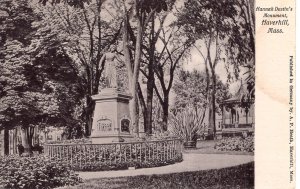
(236, 144)
(109, 166)
(34, 173)
(72, 141)
(158, 136)
(20, 149)
(187, 123)
(38, 148)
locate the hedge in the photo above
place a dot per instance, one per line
(35, 173)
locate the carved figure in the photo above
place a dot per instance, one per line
(110, 70)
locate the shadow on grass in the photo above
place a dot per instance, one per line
(241, 177)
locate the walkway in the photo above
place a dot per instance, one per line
(191, 162)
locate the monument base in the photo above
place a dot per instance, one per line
(111, 122)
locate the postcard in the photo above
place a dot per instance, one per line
(147, 94)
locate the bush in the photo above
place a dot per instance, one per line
(38, 148)
(106, 166)
(72, 141)
(236, 144)
(20, 149)
(34, 173)
(187, 123)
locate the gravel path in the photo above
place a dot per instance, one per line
(191, 162)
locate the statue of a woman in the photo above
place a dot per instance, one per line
(110, 70)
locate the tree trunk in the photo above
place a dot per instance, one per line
(137, 60)
(6, 141)
(150, 82)
(25, 142)
(132, 71)
(15, 141)
(142, 105)
(212, 121)
(89, 111)
(148, 116)
(165, 108)
(213, 104)
(134, 113)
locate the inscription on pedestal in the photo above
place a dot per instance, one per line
(104, 125)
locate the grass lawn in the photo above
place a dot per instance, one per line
(238, 177)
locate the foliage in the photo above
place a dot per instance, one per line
(241, 176)
(208, 20)
(209, 24)
(20, 98)
(73, 132)
(159, 64)
(38, 148)
(190, 89)
(159, 135)
(240, 47)
(106, 166)
(59, 77)
(85, 37)
(15, 20)
(35, 172)
(187, 123)
(37, 88)
(72, 141)
(236, 144)
(30, 89)
(233, 26)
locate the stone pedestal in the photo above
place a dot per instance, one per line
(111, 121)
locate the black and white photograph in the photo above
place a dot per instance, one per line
(107, 94)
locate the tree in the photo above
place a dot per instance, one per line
(151, 56)
(16, 18)
(190, 89)
(143, 13)
(80, 31)
(22, 104)
(34, 90)
(161, 57)
(147, 68)
(210, 22)
(37, 94)
(240, 47)
(176, 48)
(137, 13)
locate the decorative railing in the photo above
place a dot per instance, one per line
(116, 155)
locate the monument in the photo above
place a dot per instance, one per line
(111, 121)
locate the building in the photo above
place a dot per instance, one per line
(238, 113)
(51, 134)
(8, 142)
(10, 139)
(237, 116)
